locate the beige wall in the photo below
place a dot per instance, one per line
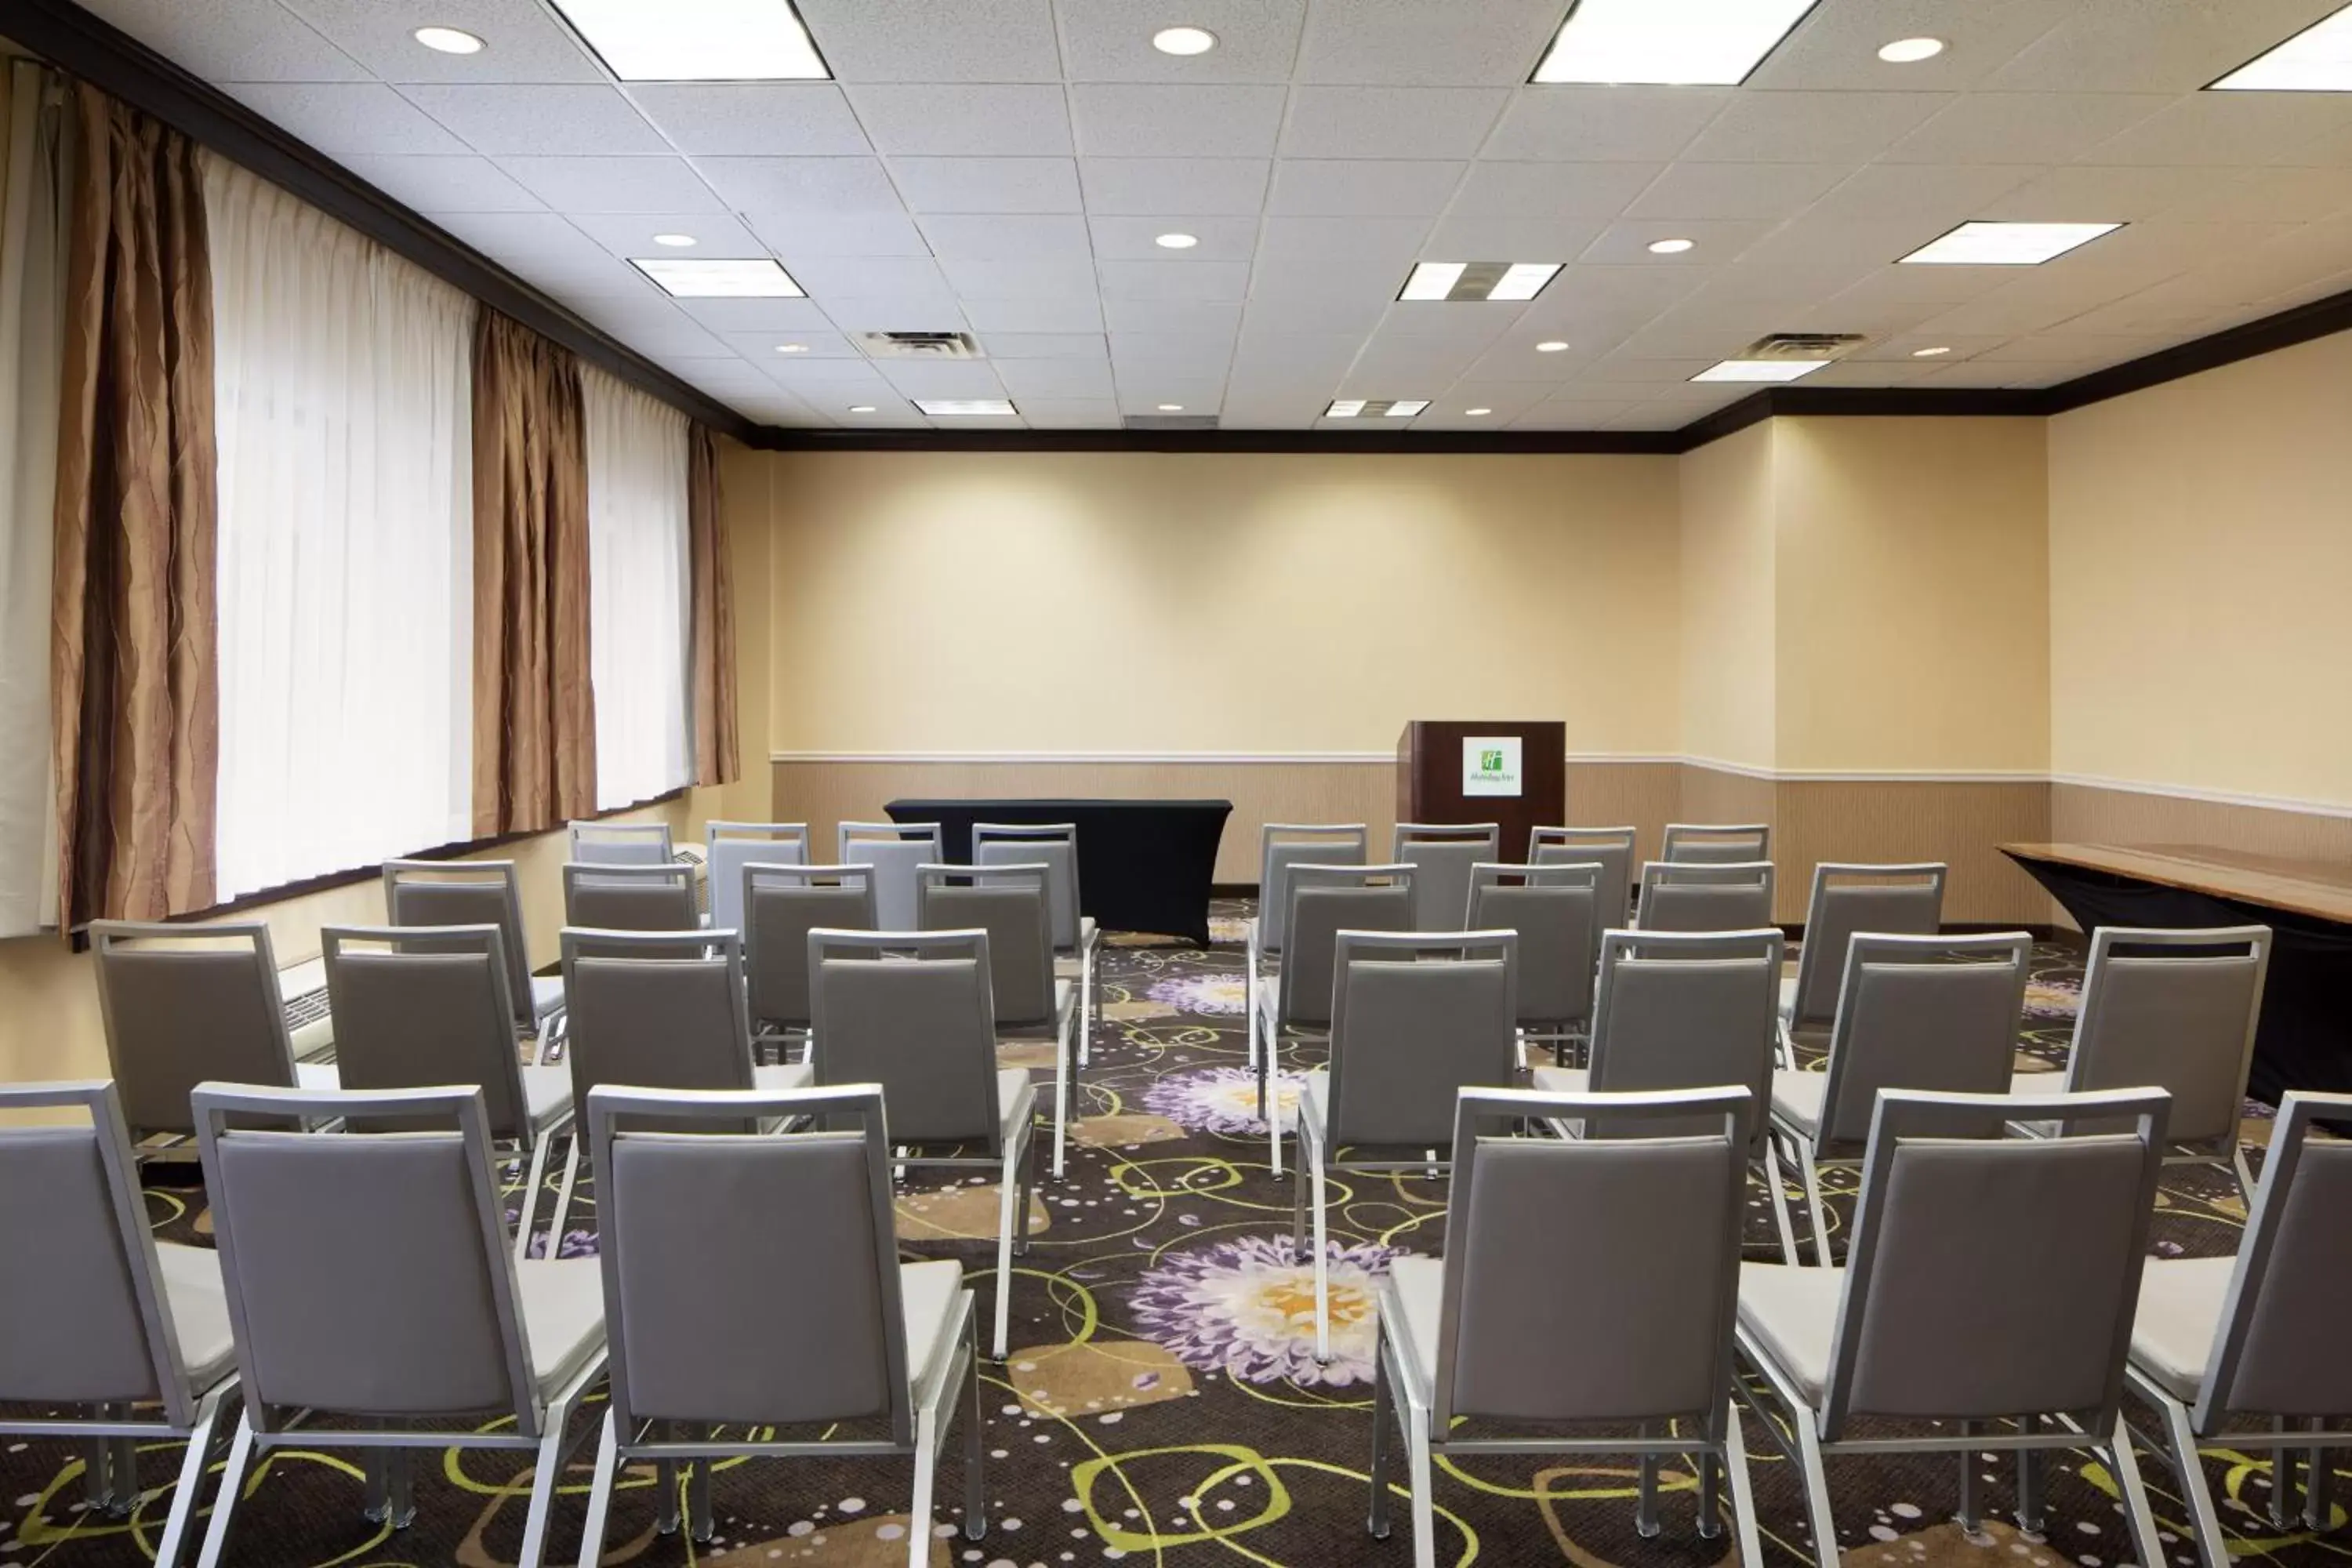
(1728, 620)
(2201, 575)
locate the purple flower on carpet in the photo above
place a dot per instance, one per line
(2053, 998)
(1217, 1100)
(1246, 1308)
(1218, 994)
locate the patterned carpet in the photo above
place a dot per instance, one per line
(1161, 1404)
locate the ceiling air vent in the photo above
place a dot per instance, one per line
(1170, 422)
(919, 345)
(1802, 346)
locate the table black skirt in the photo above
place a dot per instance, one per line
(2303, 1039)
(1143, 864)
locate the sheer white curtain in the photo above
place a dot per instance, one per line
(637, 591)
(33, 239)
(344, 381)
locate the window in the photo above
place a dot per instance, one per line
(637, 591)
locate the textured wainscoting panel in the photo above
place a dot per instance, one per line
(1960, 823)
(2084, 814)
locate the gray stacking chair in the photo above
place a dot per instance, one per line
(1686, 1010)
(1008, 900)
(659, 1010)
(895, 850)
(100, 1316)
(369, 1282)
(2220, 1341)
(630, 897)
(1075, 937)
(477, 892)
(1321, 901)
(413, 1012)
(781, 904)
(1936, 1013)
(1892, 900)
(1585, 1285)
(1441, 855)
(754, 1282)
(2175, 1008)
(1555, 911)
(1987, 1306)
(1706, 896)
(620, 842)
(1416, 1018)
(1612, 848)
(911, 1012)
(182, 1003)
(1716, 844)
(1281, 845)
(729, 847)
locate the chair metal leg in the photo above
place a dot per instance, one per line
(698, 1520)
(2137, 1510)
(1297, 1211)
(665, 1492)
(399, 1471)
(1813, 1204)
(2318, 1501)
(1008, 1192)
(375, 1472)
(919, 1513)
(975, 1488)
(1777, 1190)
(546, 1481)
(1376, 1516)
(2033, 1484)
(1817, 1485)
(232, 1489)
(2245, 1176)
(1028, 1172)
(1743, 1492)
(563, 1194)
(1249, 1004)
(1645, 1495)
(97, 1462)
(193, 1463)
(122, 1471)
(1424, 1486)
(1086, 1006)
(600, 1492)
(2286, 1495)
(1312, 1157)
(1969, 1509)
(532, 1177)
(1270, 1100)
(2180, 1437)
(1061, 1100)
(1710, 1495)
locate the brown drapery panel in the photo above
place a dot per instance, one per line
(534, 710)
(711, 605)
(133, 665)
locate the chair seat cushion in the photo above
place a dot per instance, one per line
(1792, 1314)
(562, 1302)
(1562, 1080)
(191, 1284)
(317, 1076)
(1796, 1097)
(770, 1076)
(929, 1297)
(1788, 995)
(1417, 1286)
(2180, 1301)
(1017, 1098)
(546, 995)
(1314, 1101)
(546, 1095)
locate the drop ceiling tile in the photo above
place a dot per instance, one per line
(1280, 355)
(2125, 45)
(679, 337)
(1280, 302)
(721, 378)
(1389, 122)
(1007, 236)
(2267, 196)
(941, 378)
(552, 120)
(1111, 40)
(533, 239)
(1494, 43)
(1947, 193)
(1420, 361)
(777, 408)
(1145, 394)
(448, 185)
(2094, 192)
(2006, 311)
(1204, 318)
(1462, 238)
(847, 276)
(1352, 187)
(615, 184)
(921, 40)
(1837, 46)
(1978, 374)
(1070, 413)
(1583, 414)
(830, 381)
(1823, 255)
(1871, 373)
(1472, 322)
(1025, 278)
(763, 347)
(1551, 190)
(632, 234)
(1663, 416)
(1735, 190)
(2068, 348)
(791, 186)
(2208, 128)
(1271, 412)
(1136, 238)
(988, 185)
(339, 118)
(1900, 346)
(1384, 245)
(1585, 299)
(1628, 242)
(525, 44)
(1202, 185)
(1507, 399)
(896, 312)
(1604, 124)
(798, 236)
(2023, 127)
(1148, 121)
(1811, 127)
(1173, 280)
(1055, 378)
(951, 120)
(1907, 294)
(1044, 345)
(232, 40)
(1615, 370)
(791, 119)
(1189, 355)
(1363, 284)
(1080, 313)
(726, 317)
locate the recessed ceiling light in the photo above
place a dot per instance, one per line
(1761, 370)
(1674, 42)
(1931, 352)
(1183, 41)
(1176, 241)
(1476, 280)
(1171, 408)
(961, 407)
(2317, 59)
(448, 40)
(676, 241)
(758, 278)
(1382, 407)
(1474, 413)
(698, 40)
(861, 408)
(1910, 51)
(791, 348)
(2007, 244)
(1670, 246)
(1552, 347)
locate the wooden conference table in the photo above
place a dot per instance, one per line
(2304, 1037)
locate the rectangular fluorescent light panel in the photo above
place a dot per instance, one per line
(2007, 244)
(958, 408)
(1673, 42)
(1382, 407)
(1471, 281)
(1761, 370)
(2317, 59)
(759, 278)
(698, 40)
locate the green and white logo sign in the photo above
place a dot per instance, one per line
(1490, 764)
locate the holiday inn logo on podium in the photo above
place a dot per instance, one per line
(1490, 764)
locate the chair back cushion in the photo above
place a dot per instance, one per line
(1407, 1038)
(2290, 1364)
(418, 1020)
(1274, 879)
(1020, 948)
(655, 1023)
(471, 901)
(1686, 1024)
(896, 878)
(1560, 938)
(1914, 909)
(2176, 1023)
(1317, 914)
(178, 1016)
(725, 860)
(1672, 905)
(70, 1328)
(775, 956)
(1944, 1028)
(921, 1028)
(1060, 857)
(1441, 878)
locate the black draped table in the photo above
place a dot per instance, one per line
(1143, 864)
(2304, 1037)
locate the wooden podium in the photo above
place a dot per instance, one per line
(1514, 773)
